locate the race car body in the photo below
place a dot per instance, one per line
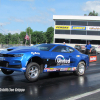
(43, 58)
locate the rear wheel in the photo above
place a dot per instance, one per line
(7, 72)
(32, 72)
(80, 69)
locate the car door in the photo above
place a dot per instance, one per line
(61, 57)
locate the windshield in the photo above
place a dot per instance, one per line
(44, 47)
(76, 46)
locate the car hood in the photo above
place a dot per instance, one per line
(16, 47)
(21, 50)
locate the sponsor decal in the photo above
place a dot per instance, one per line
(62, 27)
(62, 69)
(60, 60)
(35, 53)
(45, 65)
(93, 58)
(66, 69)
(78, 27)
(77, 55)
(45, 70)
(93, 28)
(69, 69)
(59, 69)
(50, 69)
(74, 68)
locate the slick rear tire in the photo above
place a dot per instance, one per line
(7, 72)
(32, 72)
(80, 69)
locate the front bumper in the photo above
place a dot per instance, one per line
(12, 63)
(14, 69)
(6, 64)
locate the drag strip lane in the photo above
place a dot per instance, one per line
(50, 86)
(83, 95)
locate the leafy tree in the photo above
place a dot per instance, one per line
(49, 34)
(37, 37)
(29, 30)
(92, 14)
(85, 14)
(1, 38)
(15, 38)
(44, 37)
(22, 36)
(6, 39)
(9, 38)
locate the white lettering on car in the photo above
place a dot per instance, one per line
(64, 61)
(61, 60)
(35, 53)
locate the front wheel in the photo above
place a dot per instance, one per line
(7, 72)
(32, 72)
(80, 69)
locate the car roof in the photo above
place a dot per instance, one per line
(56, 44)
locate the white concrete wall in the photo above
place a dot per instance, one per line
(73, 45)
(68, 17)
(84, 37)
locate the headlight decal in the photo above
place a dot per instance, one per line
(18, 55)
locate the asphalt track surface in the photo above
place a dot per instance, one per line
(53, 86)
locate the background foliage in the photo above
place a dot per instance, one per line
(37, 37)
(92, 14)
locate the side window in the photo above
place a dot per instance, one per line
(71, 50)
(60, 49)
(67, 50)
(63, 49)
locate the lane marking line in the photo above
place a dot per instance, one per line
(83, 95)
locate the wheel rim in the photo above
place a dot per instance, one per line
(81, 68)
(33, 72)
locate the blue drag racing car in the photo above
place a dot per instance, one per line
(43, 58)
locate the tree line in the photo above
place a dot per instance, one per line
(36, 37)
(92, 14)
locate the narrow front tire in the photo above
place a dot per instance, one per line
(32, 72)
